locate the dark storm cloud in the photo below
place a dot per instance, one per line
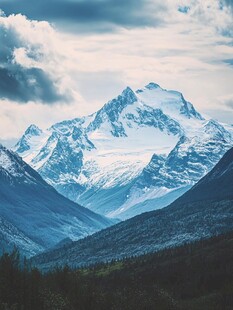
(23, 85)
(92, 15)
(19, 83)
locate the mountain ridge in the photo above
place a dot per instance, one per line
(35, 210)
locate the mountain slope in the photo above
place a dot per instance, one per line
(186, 220)
(216, 185)
(140, 146)
(11, 237)
(36, 208)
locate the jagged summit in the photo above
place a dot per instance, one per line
(128, 92)
(33, 130)
(14, 169)
(24, 143)
(170, 102)
(212, 126)
(152, 85)
(127, 97)
(64, 126)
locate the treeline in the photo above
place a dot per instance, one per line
(193, 276)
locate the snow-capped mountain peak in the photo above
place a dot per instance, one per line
(13, 167)
(33, 130)
(128, 93)
(24, 143)
(212, 126)
(110, 113)
(152, 85)
(140, 146)
(171, 102)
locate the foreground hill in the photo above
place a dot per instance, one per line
(138, 153)
(196, 276)
(204, 211)
(30, 208)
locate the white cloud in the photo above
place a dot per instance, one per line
(31, 61)
(186, 53)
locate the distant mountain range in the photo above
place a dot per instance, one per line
(138, 153)
(205, 210)
(33, 215)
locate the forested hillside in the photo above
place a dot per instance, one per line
(194, 276)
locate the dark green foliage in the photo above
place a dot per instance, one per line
(193, 276)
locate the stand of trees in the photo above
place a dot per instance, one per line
(193, 276)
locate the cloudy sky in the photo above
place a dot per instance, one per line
(61, 59)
